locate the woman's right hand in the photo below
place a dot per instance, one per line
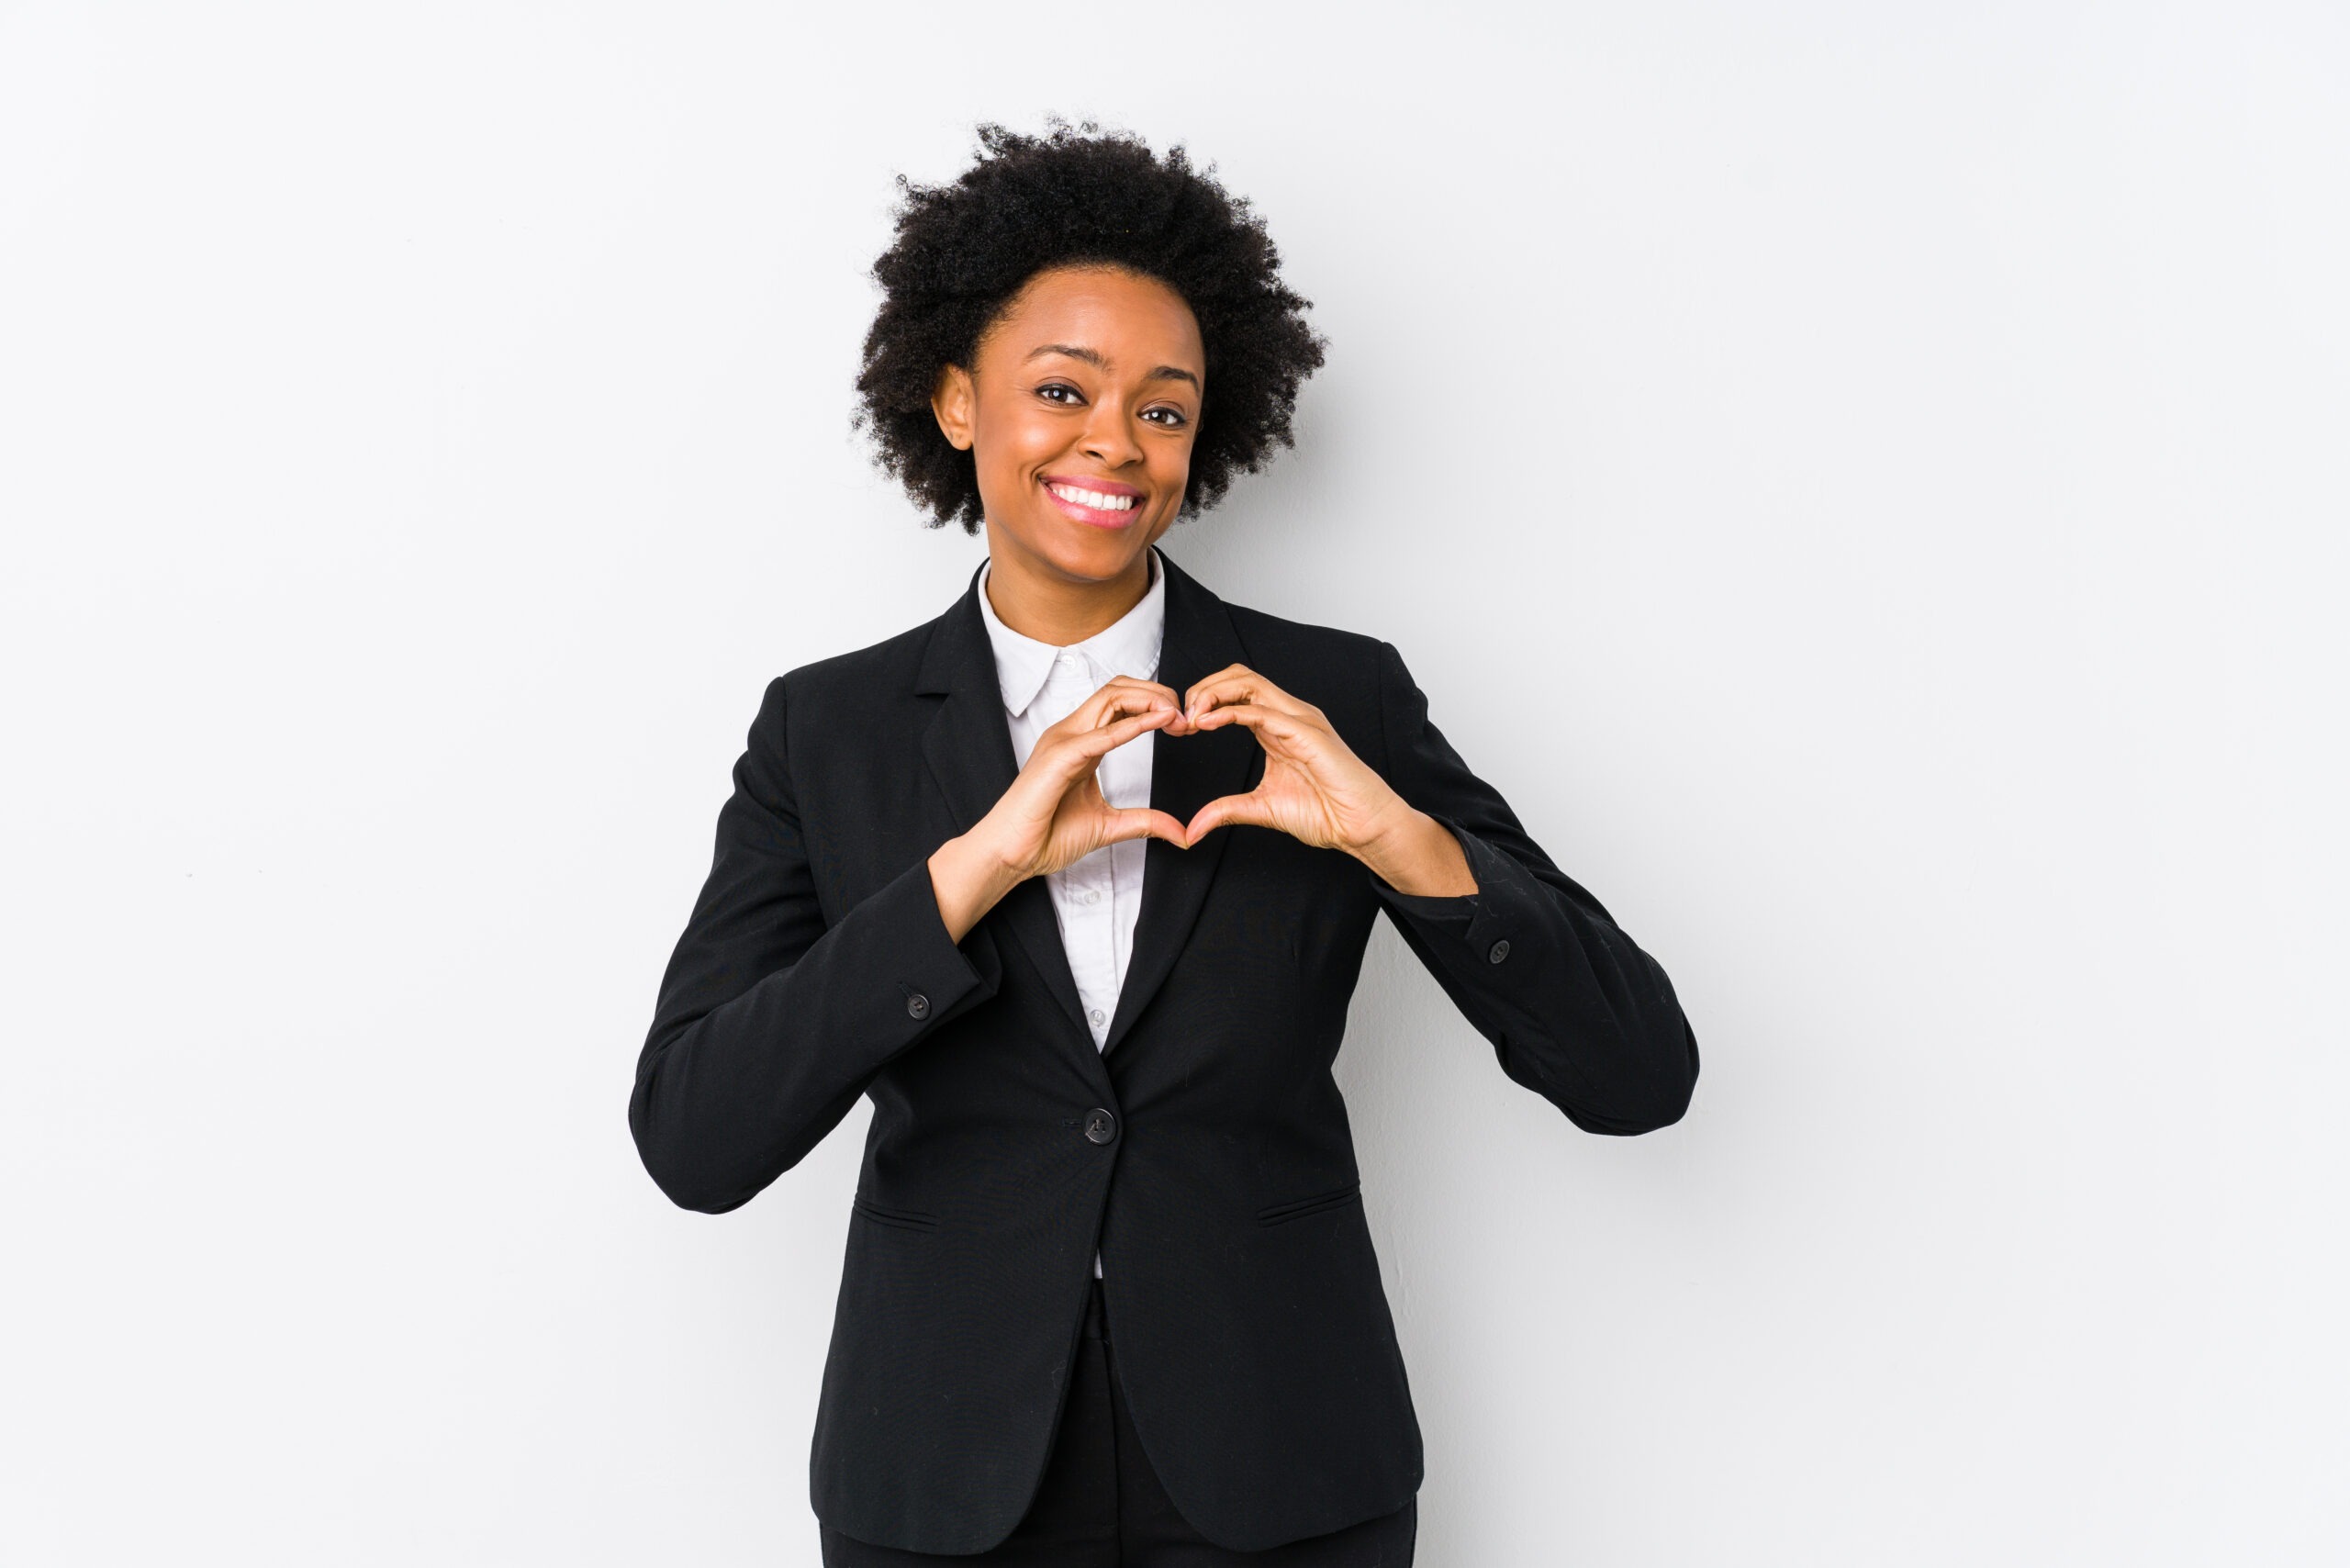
(1054, 814)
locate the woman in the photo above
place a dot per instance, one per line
(1074, 881)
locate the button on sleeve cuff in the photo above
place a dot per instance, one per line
(1495, 913)
(929, 978)
(730, 1096)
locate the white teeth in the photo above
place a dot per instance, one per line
(1093, 498)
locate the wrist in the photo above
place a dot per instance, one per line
(987, 864)
(1413, 853)
(968, 880)
(1395, 825)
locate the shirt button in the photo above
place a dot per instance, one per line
(1099, 1126)
(1498, 951)
(1095, 1015)
(918, 1005)
(1095, 896)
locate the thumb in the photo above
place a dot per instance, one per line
(1140, 821)
(1229, 811)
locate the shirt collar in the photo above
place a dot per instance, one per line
(1127, 646)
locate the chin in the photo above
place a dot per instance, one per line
(1087, 552)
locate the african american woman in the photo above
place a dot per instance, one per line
(1074, 882)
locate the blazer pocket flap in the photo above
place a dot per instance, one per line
(1297, 1208)
(882, 1213)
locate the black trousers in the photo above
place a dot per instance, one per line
(1099, 1506)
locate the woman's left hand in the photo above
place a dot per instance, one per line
(1316, 789)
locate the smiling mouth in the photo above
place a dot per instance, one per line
(1098, 500)
(1102, 508)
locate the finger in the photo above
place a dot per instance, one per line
(1243, 685)
(1229, 681)
(1078, 751)
(1117, 699)
(1142, 821)
(1108, 697)
(1251, 810)
(1108, 706)
(1138, 683)
(1286, 728)
(1112, 733)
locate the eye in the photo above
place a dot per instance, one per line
(1057, 392)
(1174, 419)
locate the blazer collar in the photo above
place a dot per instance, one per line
(967, 744)
(1130, 645)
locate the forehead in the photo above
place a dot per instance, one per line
(1134, 322)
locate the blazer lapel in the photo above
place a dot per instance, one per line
(967, 744)
(1186, 773)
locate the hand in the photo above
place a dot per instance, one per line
(1055, 814)
(1314, 788)
(1318, 792)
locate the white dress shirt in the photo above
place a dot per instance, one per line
(1096, 898)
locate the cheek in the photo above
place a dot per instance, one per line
(1017, 438)
(1171, 465)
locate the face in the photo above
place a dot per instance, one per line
(1080, 410)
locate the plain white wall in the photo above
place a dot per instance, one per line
(1866, 483)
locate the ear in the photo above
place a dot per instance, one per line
(951, 402)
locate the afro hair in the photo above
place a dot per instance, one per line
(1078, 196)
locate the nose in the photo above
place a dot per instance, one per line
(1108, 435)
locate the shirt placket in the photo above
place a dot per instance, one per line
(1085, 889)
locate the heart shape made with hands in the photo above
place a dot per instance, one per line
(1314, 788)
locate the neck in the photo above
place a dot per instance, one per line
(1038, 600)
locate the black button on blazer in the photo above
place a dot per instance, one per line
(1204, 1149)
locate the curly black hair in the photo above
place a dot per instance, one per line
(1078, 196)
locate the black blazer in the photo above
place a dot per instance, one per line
(1204, 1149)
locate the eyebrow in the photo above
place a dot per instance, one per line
(1093, 358)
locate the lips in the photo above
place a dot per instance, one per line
(1103, 503)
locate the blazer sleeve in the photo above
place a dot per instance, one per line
(1575, 1010)
(769, 1022)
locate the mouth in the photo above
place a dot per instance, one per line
(1096, 502)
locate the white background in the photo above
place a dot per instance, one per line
(1866, 484)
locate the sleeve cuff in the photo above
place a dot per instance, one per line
(1486, 919)
(930, 977)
